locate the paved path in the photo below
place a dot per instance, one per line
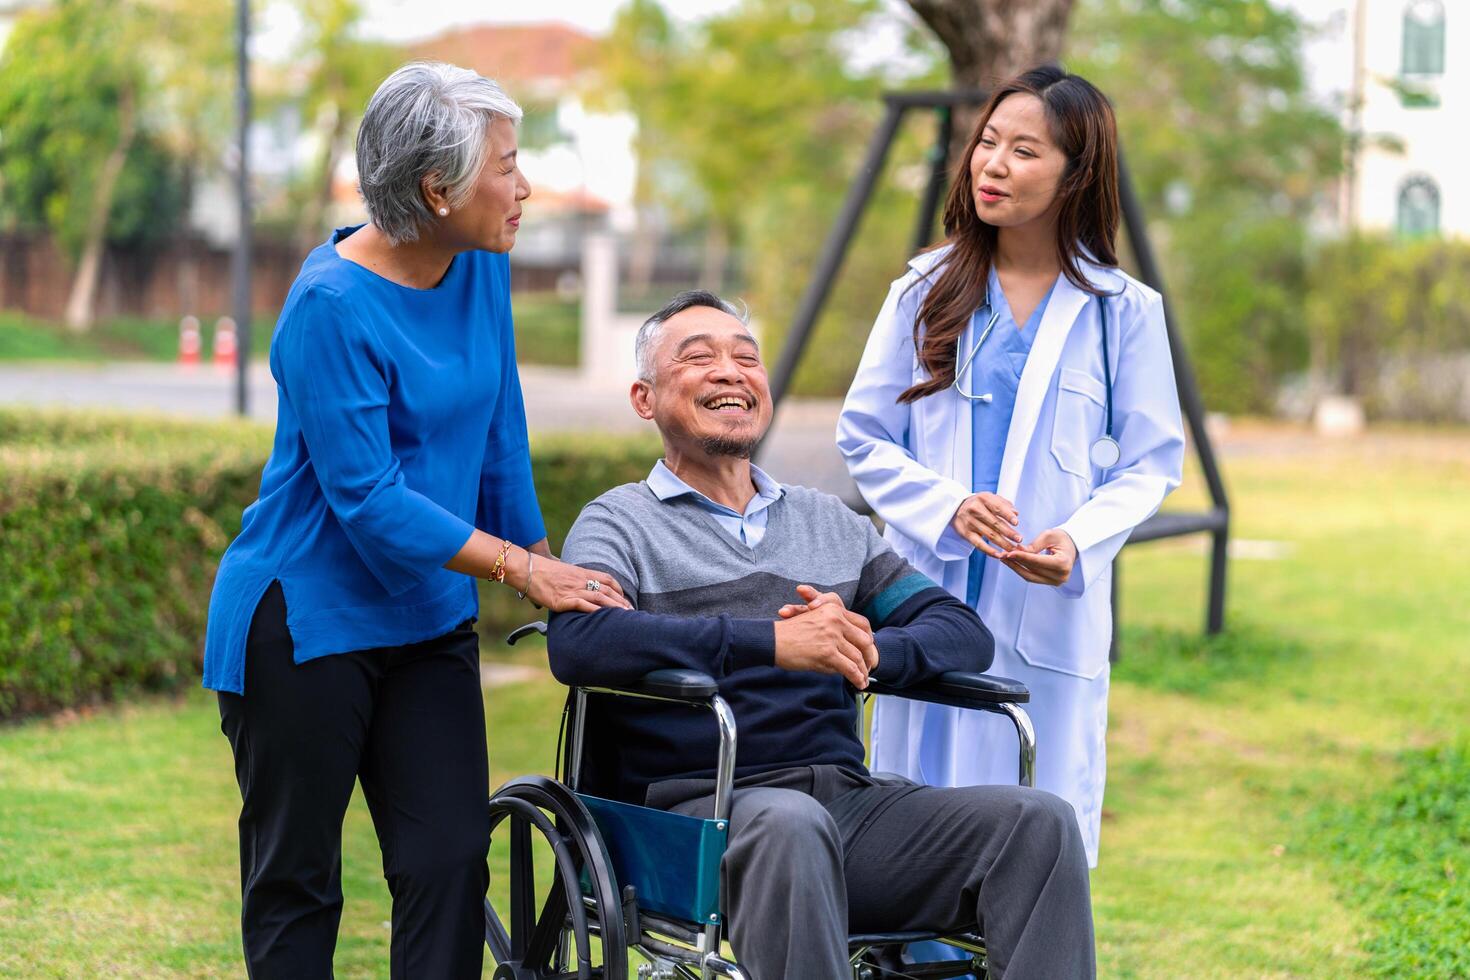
(800, 449)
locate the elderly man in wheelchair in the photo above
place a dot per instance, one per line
(776, 608)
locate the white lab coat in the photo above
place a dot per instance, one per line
(912, 464)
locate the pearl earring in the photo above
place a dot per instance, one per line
(443, 212)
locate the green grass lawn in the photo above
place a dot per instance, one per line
(1289, 799)
(25, 338)
(547, 332)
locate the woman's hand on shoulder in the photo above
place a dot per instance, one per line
(988, 522)
(563, 587)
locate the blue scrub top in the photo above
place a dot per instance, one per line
(996, 369)
(400, 429)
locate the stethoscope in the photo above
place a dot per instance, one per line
(1104, 452)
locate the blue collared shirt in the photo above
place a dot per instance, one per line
(747, 528)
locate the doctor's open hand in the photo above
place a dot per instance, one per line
(1046, 561)
(989, 523)
(822, 635)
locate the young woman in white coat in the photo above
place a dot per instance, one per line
(1013, 420)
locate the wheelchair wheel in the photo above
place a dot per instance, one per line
(556, 940)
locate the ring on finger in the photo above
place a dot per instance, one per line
(593, 585)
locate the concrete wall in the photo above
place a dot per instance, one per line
(607, 335)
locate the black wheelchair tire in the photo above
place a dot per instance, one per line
(526, 949)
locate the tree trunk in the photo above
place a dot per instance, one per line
(81, 304)
(991, 40)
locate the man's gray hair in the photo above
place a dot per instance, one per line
(426, 118)
(647, 339)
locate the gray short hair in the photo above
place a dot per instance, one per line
(647, 337)
(427, 117)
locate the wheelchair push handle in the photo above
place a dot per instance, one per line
(521, 632)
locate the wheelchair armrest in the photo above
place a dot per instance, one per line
(521, 632)
(675, 684)
(961, 690)
(670, 684)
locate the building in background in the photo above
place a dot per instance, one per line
(579, 160)
(1409, 102)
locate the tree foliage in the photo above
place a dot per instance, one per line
(755, 121)
(65, 78)
(747, 103)
(1231, 157)
(1382, 313)
(343, 70)
(108, 108)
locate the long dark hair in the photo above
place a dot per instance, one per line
(1081, 122)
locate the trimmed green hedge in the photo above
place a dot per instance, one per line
(111, 528)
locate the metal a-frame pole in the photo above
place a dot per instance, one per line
(1215, 521)
(834, 250)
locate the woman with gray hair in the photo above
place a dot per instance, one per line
(340, 636)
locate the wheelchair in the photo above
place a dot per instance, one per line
(635, 879)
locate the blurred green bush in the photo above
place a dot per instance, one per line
(548, 329)
(111, 528)
(111, 531)
(1389, 321)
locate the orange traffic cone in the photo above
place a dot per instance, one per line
(189, 342)
(225, 347)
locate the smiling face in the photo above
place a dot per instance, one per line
(709, 392)
(1016, 167)
(491, 216)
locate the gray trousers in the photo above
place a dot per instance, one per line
(817, 852)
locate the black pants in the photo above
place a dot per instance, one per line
(409, 723)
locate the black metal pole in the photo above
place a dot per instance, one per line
(240, 261)
(833, 252)
(1219, 555)
(938, 172)
(1189, 398)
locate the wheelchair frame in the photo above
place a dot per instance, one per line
(677, 949)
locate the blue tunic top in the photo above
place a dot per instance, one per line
(400, 428)
(996, 370)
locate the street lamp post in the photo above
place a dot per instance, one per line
(240, 261)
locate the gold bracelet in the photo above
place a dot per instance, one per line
(497, 574)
